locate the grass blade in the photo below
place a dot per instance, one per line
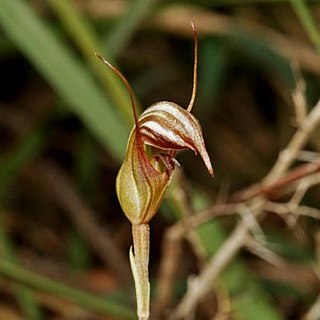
(86, 39)
(86, 300)
(120, 35)
(60, 67)
(307, 22)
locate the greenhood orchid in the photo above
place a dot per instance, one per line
(162, 129)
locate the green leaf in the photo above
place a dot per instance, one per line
(83, 35)
(119, 37)
(86, 300)
(307, 21)
(66, 74)
(213, 63)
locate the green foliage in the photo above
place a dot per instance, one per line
(62, 69)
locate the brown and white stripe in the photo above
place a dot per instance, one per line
(167, 126)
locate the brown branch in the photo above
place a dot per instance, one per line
(202, 284)
(272, 190)
(172, 243)
(295, 145)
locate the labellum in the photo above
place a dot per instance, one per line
(144, 176)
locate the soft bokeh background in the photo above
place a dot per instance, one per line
(64, 123)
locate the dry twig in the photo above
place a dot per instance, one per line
(203, 282)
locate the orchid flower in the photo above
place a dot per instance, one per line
(164, 128)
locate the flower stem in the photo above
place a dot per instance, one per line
(139, 264)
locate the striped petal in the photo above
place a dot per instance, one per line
(167, 126)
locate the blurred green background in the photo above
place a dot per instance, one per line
(64, 123)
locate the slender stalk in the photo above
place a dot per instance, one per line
(139, 264)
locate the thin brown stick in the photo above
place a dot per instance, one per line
(175, 234)
(172, 242)
(203, 282)
(269, 190)
(283, 209)
(297, 142)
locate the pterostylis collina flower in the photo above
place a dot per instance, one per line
(162, 129)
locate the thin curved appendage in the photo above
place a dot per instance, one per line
(167, 160)
(195, 68)
(126, 83)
